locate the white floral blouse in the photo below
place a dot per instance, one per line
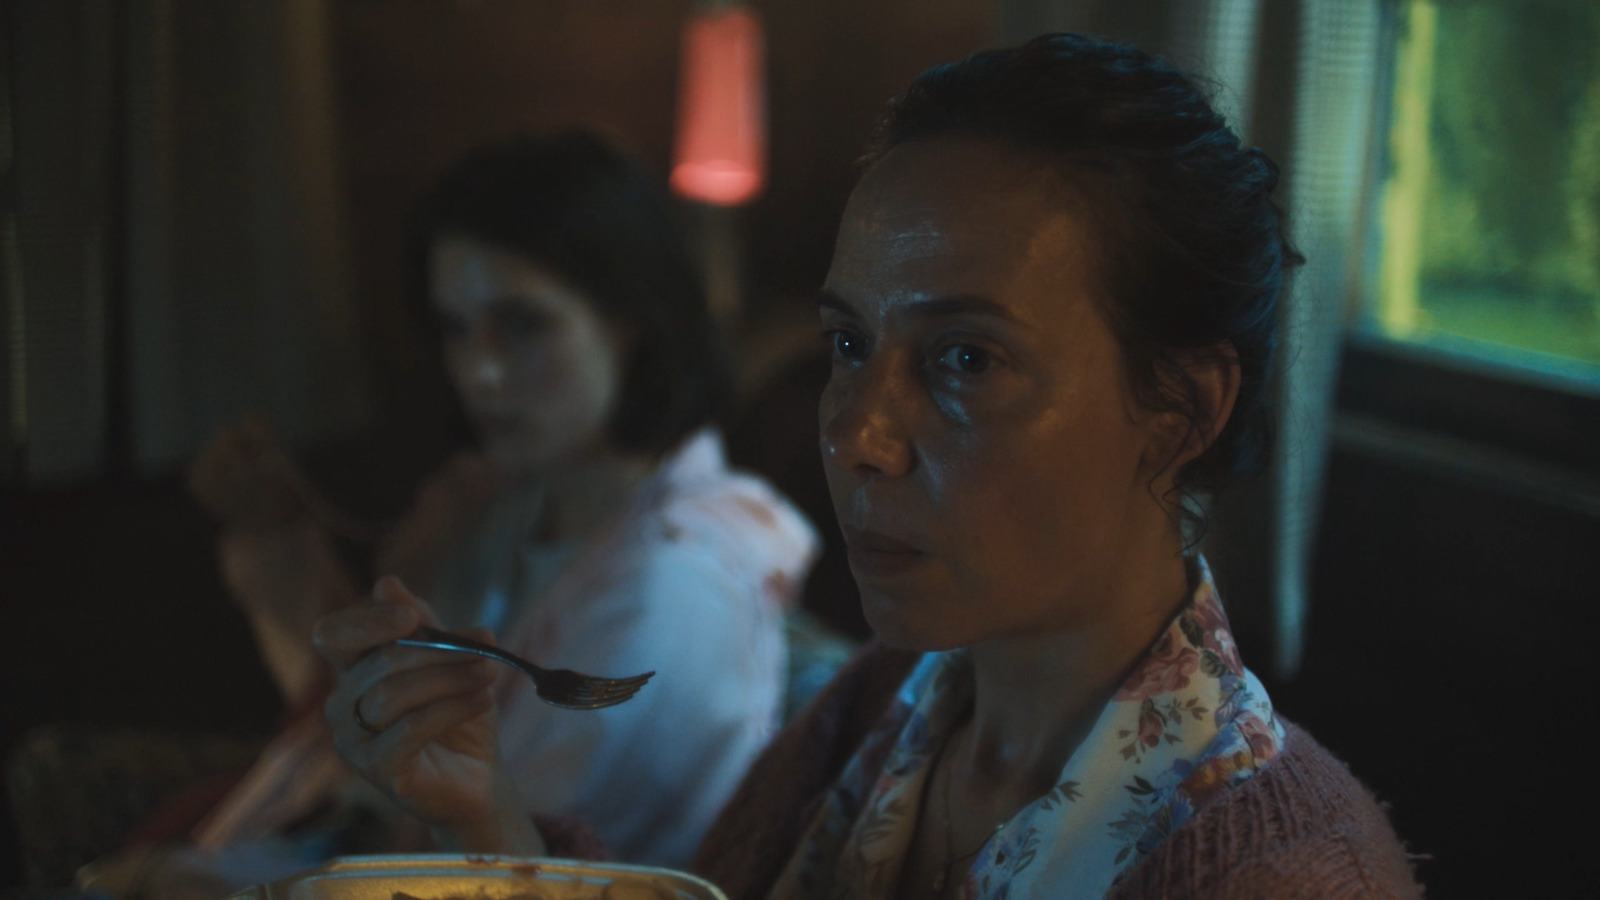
(1189, 724)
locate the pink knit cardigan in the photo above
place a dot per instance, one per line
(1303, 827)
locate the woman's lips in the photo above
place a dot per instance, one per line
(492, 427)
(874, 555)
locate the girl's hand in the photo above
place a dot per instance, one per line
(284, 579)
(290, 573)
(419, 724)
(243, 477)
(445, 506)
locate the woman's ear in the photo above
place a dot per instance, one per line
(1215, 373)
(1212, 377)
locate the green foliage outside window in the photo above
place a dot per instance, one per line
(1490, 216)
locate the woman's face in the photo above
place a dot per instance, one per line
(984, 454)
(538, 370)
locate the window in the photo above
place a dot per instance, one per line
(1490, 204)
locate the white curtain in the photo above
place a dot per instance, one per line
(1329, 166)
(1217, 39)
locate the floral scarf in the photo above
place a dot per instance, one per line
(1188, 725)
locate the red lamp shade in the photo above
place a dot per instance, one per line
(721, 149)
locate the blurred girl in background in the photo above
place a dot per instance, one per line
(595, 526)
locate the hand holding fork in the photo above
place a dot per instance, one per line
(419, 723)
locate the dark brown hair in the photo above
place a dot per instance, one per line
(1194, 255)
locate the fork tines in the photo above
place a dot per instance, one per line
(593, 693)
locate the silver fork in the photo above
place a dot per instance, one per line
(557, 687)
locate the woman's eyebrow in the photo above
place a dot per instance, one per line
(955, 305)
(829, 300)
(963, 305)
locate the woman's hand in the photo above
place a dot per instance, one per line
(419, 724)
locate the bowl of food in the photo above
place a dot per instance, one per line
(453, 876)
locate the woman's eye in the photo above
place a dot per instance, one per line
(847, 344)
(966, 359)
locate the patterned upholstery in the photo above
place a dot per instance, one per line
(78, 792)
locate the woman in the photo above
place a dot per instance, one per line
(596, 527)
(1052, 308)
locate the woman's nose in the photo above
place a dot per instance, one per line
(481, 365)
(864, 416)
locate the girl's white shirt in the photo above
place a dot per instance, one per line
(692, 581)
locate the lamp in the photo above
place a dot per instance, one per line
(720, 155)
